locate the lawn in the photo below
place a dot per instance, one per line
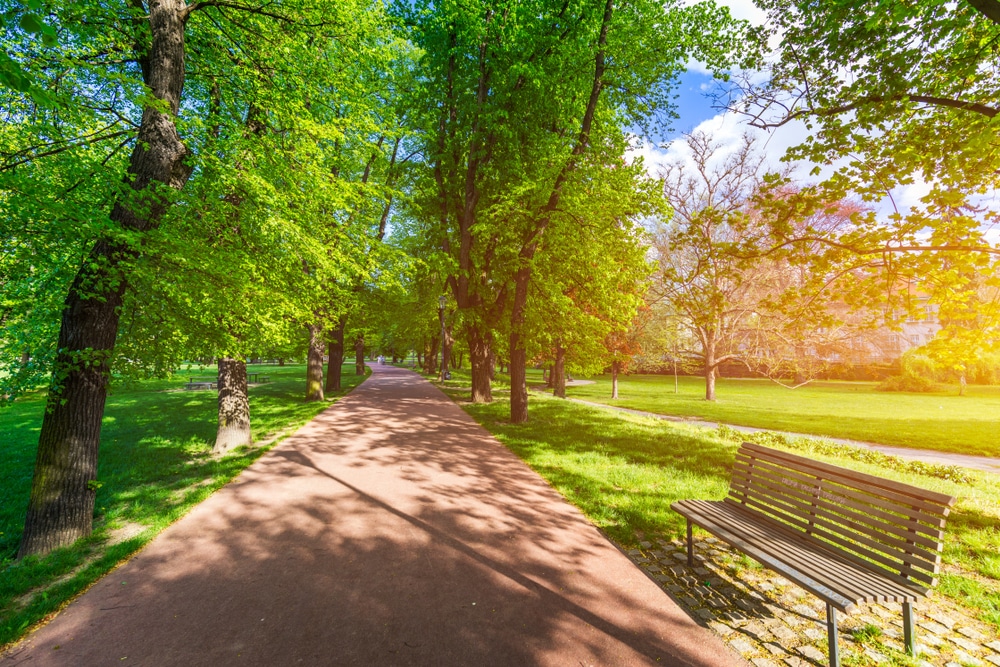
(941, 421)
(623, 472)
(155, 464)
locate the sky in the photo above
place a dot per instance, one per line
(696, 113)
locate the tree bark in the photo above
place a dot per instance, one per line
(359, 355)
(709, 370)
(518, 380)
(559, 373)
(614, 379)
(234, 407)
(480, 357)
(61, 504)
(335, 357)
(314, 364)
(518, 351)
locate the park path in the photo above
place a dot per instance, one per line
(984, 463)
(390, 530)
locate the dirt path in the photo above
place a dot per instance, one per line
(391, 530)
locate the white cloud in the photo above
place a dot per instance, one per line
(728, 129)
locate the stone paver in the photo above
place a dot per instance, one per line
(769, 620)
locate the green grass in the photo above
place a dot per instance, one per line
(623, 472)
(155, 464)
(941, 421)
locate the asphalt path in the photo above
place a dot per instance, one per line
(390, 530)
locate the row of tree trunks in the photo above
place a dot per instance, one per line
(234, 406)
(63, 489)
(314, 364)
(335, 356)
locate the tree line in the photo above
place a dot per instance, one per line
(228, 179)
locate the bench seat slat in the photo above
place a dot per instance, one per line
(845, 542)
(931, 501)
(839, 521)
(886, 566)
(858, 584)
(881, 519)
(728, 535)
(833, 560)
(796, 558)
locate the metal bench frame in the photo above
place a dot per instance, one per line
(846, 537)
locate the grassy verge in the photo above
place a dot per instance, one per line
(941, 421)
(155, 465)
(624, 471)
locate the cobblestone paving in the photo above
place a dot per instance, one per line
(772, 622)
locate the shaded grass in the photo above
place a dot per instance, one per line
(155, 464)
(942, 421)
(624, 471)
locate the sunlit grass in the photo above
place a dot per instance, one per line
(155, 464)
(941, 421)
(624, 471)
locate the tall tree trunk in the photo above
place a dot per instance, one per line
(559, 373)
(614, 379)
(430, 346)
(710, 367)
(234, 406)
(335, 356)
(281, 362)
(359, 355)
(518, 380)
(61, 504)
(480, 356)
(518, 351)
(314, 364)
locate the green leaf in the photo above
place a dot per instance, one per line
(31, 23)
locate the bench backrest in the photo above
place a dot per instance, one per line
(894, 528)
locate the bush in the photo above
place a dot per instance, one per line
(918, 365)
(907, 382)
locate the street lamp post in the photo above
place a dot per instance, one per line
(442, 300)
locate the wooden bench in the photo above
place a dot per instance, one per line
(201, 383)
(846, 537)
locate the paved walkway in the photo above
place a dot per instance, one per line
(390, 530)
(985, 463)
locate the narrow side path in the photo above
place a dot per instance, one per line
(390, 530)
(985, 463)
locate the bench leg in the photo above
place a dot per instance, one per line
(831, 635)
(908, 640)
(690, 546)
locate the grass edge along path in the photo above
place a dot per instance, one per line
(942, 421)
(138, 499)
(623, 471)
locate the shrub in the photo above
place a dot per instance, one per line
(906, 382)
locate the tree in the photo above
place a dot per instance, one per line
(743, 300)
(64, 163)
(891, 92)
(526, 104)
